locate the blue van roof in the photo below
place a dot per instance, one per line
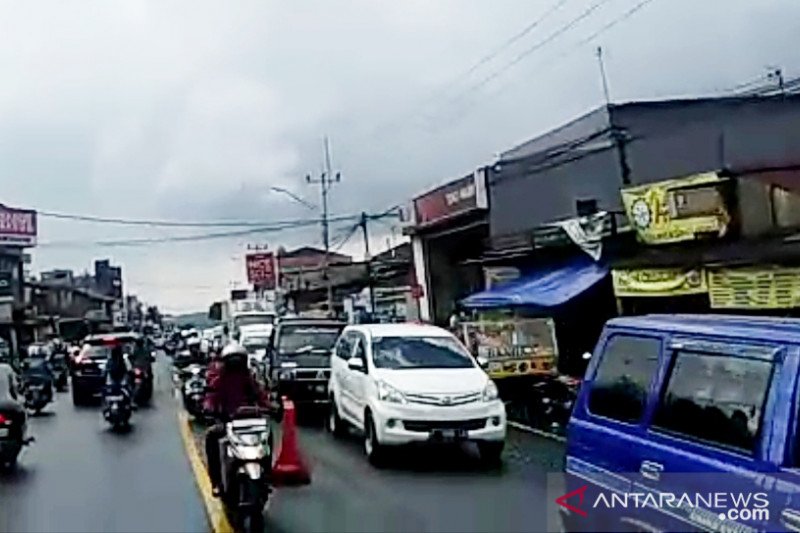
(756, 327)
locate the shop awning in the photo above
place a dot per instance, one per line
(548, 287)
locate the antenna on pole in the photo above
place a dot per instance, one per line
(603, 76)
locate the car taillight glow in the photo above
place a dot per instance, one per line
(137, 371)
(4, 420)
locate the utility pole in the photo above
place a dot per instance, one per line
(325, 181)
(368, 259)
(603, 75)
(777, 75)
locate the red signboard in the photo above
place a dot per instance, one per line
(17, 227)
(454, 198)
(261, 270)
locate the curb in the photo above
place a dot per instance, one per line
(537, 432)
(217, 519)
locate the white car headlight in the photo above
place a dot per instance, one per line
(490, 392)
(387, 393)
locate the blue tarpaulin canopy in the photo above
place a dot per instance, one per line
(547, 287)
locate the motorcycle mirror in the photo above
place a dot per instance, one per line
(586, 356)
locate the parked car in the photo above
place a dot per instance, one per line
(681, 404)
(300, 358)
(410, 383)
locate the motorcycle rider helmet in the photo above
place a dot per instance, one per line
(234, 356)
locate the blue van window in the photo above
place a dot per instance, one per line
(621, 384)
(715, 398)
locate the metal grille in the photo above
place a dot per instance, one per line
(426, 426)
(444, 400)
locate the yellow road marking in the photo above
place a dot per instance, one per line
(214, 509)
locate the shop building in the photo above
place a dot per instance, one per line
(448, 227)
(18, 231)
(557, 212)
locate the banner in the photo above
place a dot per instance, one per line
(261, 270)
(659, 282)
(677, 210)
(17, 226)
(754, 288)
(514, 347)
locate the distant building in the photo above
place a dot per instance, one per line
(308, 258)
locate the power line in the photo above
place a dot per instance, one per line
(519, 58)
(513, 39)
(151, 223)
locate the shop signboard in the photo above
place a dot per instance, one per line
(261, 270)
(17, 226)
(765, 287)
(659, 282)
(457, 197)
(677, 210)
(514, 346)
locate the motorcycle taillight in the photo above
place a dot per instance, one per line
(4, 420)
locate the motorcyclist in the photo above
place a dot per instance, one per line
(36, 367)
(231, 389)
(9, 400)
(118, 370)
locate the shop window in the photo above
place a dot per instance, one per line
(786, 208)
(715, 398)
(689, 203)
(623, 377)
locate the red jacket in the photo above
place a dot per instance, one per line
(228, 391)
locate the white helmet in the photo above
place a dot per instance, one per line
(232, 349)
(193, 341)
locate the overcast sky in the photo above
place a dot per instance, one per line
(192, 110)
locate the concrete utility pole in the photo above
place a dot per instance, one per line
(325, 181)
(603, 76)
(368, 259)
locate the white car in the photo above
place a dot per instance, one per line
(405, 383)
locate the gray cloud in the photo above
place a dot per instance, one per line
(194, 109)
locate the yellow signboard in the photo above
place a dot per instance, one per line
(754, 288)
(515, 346)
(659, 281)
(677, 210)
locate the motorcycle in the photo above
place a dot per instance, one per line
(551, 403)
(246, 452)
(13, 435)
(37, 392)
(194, 389)
(60, 369)
(117, 408)
(142, 386)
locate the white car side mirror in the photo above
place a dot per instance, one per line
(355, 363)
(483, 362)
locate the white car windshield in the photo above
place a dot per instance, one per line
(255, 342)
(253, 320)
(419, 352)
(306, 339)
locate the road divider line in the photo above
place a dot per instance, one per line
(539, 432)
(217, 518)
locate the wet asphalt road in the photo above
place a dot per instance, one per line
(444, 491)
(81, 476)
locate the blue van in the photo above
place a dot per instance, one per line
(687, 423)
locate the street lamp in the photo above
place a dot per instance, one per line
(294, 197)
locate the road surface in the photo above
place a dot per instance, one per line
(81, 476)
(421, 492)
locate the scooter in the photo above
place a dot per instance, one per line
(194, 389)
(60, 368)
(117, 408)
(38, 392)
(246, 452)
(13, 435)
(142, 386)
(551, 403)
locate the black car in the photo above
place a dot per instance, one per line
(299, 358)
(89, 366)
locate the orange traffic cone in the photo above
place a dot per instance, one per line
(290, 468)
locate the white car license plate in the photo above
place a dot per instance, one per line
(449, 434)
(3, 432)
(114, 399)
